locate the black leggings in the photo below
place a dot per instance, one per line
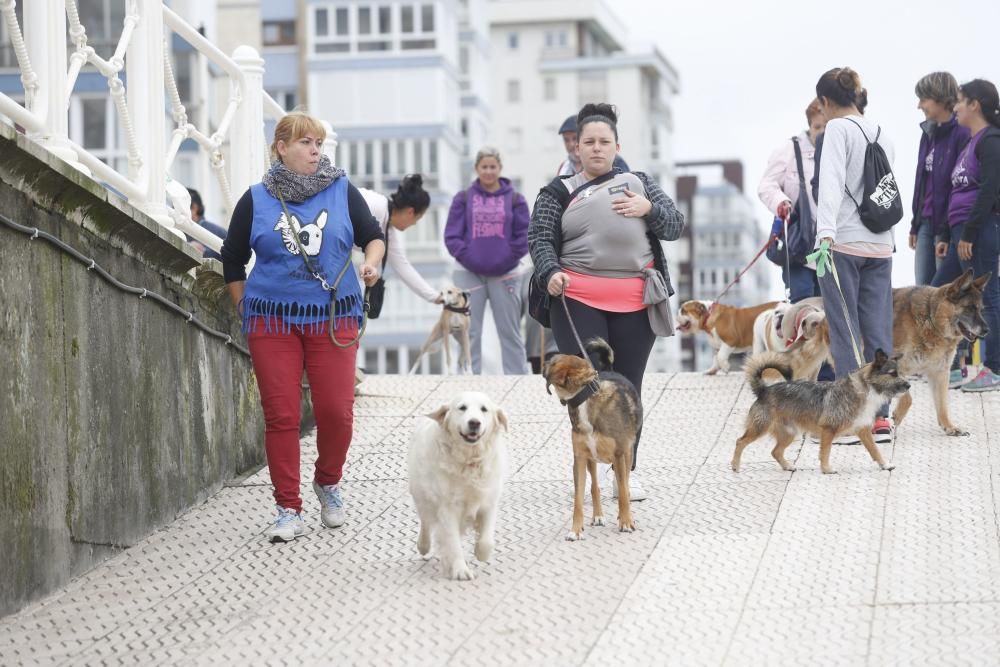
(628, 334)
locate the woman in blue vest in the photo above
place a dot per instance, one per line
(304, 204)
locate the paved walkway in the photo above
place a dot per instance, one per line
(764, 567)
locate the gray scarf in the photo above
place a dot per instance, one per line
(296, 188)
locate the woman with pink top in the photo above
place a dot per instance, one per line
(779, 191)
(595, 239)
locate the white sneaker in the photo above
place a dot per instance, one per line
(287, 526)
(332, 505)
(609, 485)
(847, 439)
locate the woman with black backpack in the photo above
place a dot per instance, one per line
(594, 239)
(859, 308)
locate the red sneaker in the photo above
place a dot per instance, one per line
(882, 429)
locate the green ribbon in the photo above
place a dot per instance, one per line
(822, 258)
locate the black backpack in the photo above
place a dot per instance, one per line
(881, 206)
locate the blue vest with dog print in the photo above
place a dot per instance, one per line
(280, 289)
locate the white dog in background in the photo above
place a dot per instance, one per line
(457, 462)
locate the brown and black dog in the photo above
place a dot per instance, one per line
(786, 408)
(729, 329)
(605, 413)
(928, 323)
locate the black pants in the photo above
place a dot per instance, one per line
(628, 334)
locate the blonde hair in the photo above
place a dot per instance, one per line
(488, 151)
(813, 110)
(940, 87)
(293, 126)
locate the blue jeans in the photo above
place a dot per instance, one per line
(926, 263)
(985, 259)
(801, 282)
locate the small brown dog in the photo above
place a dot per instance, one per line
(605, 413)
(729, 329)
(786, 408)
(454, 322)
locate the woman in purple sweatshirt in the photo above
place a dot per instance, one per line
(941, 140)
(972, 237)
(487, 233)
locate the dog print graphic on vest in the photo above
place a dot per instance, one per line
(310, 236)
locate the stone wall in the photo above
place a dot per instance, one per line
(116, 414)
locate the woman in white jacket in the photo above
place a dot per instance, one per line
(395, 214)
(779, 190)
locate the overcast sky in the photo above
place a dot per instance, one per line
(749, 68)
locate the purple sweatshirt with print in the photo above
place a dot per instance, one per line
(487, 232)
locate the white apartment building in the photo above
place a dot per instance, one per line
(558, 55)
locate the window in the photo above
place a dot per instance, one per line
(385, 158)
(342, 26)
(463, 60)
(550, 89)
(513, 40)
(322, 23)
(361, 27)
(515, 139)
(278, 33)
(513, 91)
(364, 20)
(284, 98)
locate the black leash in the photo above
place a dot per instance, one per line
(594, 385)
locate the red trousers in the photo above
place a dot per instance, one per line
(278, 361)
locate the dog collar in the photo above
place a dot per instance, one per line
(455, 309)
(704, 320)
(583, 395)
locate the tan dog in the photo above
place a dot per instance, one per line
(928, 323)
(605, 413)
(454, 322)
(807, 354)
(729, 329)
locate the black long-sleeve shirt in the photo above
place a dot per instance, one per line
(988, 155)
(236, 248)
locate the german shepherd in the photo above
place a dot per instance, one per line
(928, 323)
(786, 408)
(606, 414)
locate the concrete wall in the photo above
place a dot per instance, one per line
(115, 414)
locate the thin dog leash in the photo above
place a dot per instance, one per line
(572, 327)
(770, 239)
(847, 313)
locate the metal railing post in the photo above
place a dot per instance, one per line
(247, 147)
(45, 40)
(146, 101)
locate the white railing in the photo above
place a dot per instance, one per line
(236, 149)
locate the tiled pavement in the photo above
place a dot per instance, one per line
(762, 567)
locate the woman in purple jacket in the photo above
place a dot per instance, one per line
(972, 238)
(941, 140)
(487, 233)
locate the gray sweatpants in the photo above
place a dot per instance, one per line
(504, 294)
(866, 284)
